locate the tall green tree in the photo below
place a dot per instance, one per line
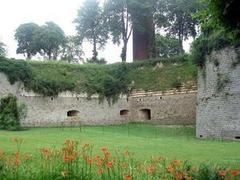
(176, 18)
(119, 22)
(72, 50)
(91, 25)
(166, 46)
(48, 39)
(25, 38)
(224, 16)
(2, 49)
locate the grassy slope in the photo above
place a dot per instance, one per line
(145, 77)
(144, 140)
(108, 81)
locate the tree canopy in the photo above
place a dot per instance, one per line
(225, 14)
(24, 35)
(2, 49)
(167, 46)
(49, 38)
(45, 40)
(90, 25)
(119, 23)
(176, 18)
(72, 50)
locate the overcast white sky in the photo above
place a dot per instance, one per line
(62, 12)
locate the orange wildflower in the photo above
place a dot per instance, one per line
(89, 161)
(128, 177)
(97, 158)
(66, 158)
(177, 162)
(222, 173)
(45, 152)
(100, 171)
(170, 169)
(179, 175)
(17, 162)
(151, 169)
(234, 172)
(107, 154)
(109, 164)
(17, 159)
(104, 149)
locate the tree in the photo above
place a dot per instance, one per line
(25, 37)
(167, 46)
(2, 49)
(72, 50)
(119, 22)
(91, 25)
(224, 15)
(176, 18)
(48, 40)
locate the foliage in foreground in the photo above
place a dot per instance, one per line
(76, 161)
(10, 113)
(108, 81)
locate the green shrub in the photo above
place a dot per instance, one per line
(16, 70)
(10, 113)
(205, 44)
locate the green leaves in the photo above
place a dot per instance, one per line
(45, 40)
(24, 35)
(49, 38)
(9, 113)
(176, 18)
(2, 49)
(167, 46)
(90, 25)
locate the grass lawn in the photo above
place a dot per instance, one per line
(143, 139)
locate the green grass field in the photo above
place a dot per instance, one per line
(144, 140)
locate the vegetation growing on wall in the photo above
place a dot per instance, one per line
(220, 28)
(205, 44)
(108, 81)
(10, 113)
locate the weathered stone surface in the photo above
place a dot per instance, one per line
(218, 110)
(164, 108)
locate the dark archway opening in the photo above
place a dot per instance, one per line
(73, 113)
(145, 114)
(124, 112)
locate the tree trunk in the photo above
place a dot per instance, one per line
(95, 53)
(29, 56)
(124, 51)
(180, 41)
(49, 55)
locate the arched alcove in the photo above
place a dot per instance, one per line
(73, 113)
(145, 114)
(124, 112)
